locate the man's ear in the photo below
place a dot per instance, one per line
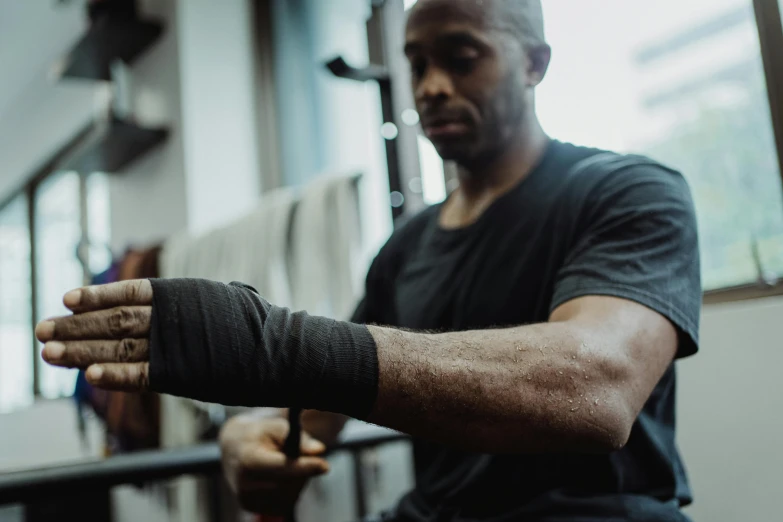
(538, 63)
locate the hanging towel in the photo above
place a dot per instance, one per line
(325, 245)
(253, 249)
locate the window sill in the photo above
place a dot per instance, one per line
(742, 293)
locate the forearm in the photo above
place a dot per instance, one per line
(532, 388)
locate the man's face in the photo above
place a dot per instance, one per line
(470, 80)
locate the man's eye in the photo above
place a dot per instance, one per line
(463, 64)
(417, 68)
(463, 58)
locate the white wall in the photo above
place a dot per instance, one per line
(729, 416)
(221, 143)
(148, 199)
(198, 81)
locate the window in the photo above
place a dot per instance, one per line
(62, 231)
(71, 217)
(98, 222)
(16, 334)
(681, 81)
(57, 235)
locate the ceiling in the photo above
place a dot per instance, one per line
(33, 35)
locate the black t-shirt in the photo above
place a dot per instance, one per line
(584, 222)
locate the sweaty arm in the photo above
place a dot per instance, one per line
(575, 383)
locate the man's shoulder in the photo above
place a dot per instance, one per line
(603, 174)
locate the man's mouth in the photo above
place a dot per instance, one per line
(444, 126)
(445, 129)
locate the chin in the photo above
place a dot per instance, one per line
(453, 151)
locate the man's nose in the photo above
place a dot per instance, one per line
(435, 84)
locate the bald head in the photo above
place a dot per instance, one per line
(474, 67)
(522, 19)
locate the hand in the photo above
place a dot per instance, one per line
(261, 476)
(108, 334)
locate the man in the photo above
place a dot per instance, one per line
(569, 416)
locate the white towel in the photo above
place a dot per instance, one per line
(325, 245)
(253, 250)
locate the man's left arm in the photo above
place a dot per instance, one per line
(575, 383)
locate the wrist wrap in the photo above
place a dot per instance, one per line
(224, 343)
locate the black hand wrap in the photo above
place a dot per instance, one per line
(223, 343)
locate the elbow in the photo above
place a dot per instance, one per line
(610, 430)
(612, 437)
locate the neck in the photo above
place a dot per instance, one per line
(509, 167)
(480, 185)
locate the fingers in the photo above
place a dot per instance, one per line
(311, 446)
(258, 463)
(129, 377)
(116, 323)
(124, 293)
(81, 354)
(277, 430)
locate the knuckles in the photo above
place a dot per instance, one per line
(123, 321)
(125, 350)
(131, 350)
(134, 291)
(119, 322)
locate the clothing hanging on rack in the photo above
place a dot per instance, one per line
(300, 248)
(132, 420)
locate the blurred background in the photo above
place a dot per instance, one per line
(275, 142)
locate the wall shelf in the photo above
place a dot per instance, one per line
(106, 41)
(111, 145)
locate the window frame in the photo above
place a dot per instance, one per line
(770, 32)
(30, 191)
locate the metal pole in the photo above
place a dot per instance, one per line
(30, 194)
(770, 31)
(392, 150)
(359, 487)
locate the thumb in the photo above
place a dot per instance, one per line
(311, 446)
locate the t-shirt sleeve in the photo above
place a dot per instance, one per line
(638, 241)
